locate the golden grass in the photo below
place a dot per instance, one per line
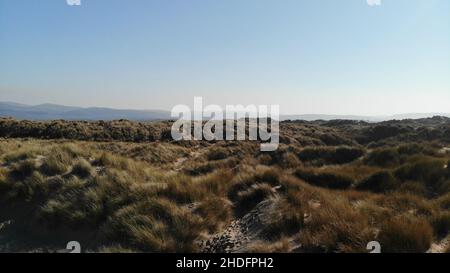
(405, 234)
(140, 197)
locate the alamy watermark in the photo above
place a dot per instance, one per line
(237, 122)
(73, 2)
(374, 2)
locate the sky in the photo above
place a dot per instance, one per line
(309, 57)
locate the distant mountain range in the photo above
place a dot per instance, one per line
(312, 117)
(54, 111)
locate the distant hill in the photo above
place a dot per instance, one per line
(312, 117)
(54, 111)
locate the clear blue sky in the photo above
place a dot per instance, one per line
(316, 56)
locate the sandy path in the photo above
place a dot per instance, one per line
(441, 246)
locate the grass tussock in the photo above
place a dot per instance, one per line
(379, 182)
(82, 168)
(216, 212)
(324, 179)
(330, 155)
(404, 234)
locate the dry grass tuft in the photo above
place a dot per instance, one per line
(404, 234)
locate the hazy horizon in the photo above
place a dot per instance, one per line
(307, 116)
(310, 57)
